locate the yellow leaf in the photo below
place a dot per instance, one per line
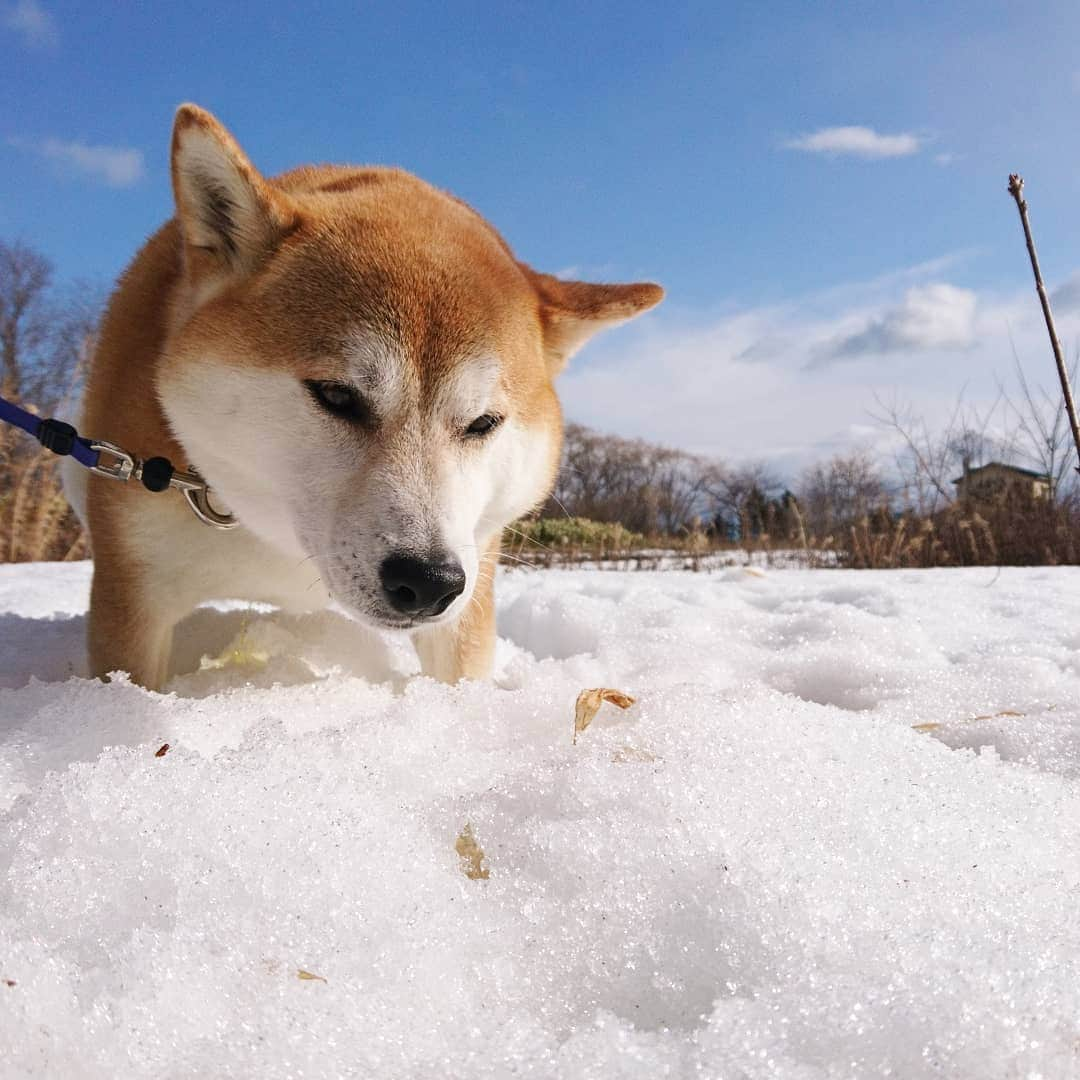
(307, 975)
(589, 702)
(471, 855)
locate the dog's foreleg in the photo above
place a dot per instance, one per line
(127, 630)
(465, 649)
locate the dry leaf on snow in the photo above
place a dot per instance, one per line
(471, 855)
(589, 702)
(308, 976)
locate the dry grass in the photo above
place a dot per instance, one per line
(1014, 531)
(36, 523)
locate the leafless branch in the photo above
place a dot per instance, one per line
(1016, 190)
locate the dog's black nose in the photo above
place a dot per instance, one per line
(418, 587)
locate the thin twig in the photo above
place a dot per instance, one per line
(1016, 190)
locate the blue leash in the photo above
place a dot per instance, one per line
(54, 435)
(155, 474)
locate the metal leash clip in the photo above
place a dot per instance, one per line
(198, 498)
(157, 474)
(123, 466)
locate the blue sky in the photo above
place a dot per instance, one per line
(820, 186)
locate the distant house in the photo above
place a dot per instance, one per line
(989, 482)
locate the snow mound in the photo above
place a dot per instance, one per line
(837, 835)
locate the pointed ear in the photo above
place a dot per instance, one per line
(226, 210)
(572, 311)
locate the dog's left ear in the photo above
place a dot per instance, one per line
(230, 217)
(572, 311)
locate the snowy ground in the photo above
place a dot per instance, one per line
(760, 870)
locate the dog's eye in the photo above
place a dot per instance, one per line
(340, 400)
(483, 425)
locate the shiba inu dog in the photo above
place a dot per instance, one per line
(364, 375)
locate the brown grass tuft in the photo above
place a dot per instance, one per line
(36, 522)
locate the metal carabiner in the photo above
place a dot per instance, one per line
(197, 494)
(199, 501)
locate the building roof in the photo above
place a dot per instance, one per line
(1015, 469)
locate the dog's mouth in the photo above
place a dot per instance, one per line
(407, 625)
(382, 620)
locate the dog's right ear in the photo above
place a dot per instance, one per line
(572, 311)
(230, 217)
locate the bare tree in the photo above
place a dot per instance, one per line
(45, 337)
(837, 493)
(929, 460)
(45, 332)
(648, 488)
(681, 483)
(740, 495)
(1044, 436)
(25, 277)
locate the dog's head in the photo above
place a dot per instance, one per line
(363, 371)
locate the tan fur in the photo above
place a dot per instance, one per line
(276, 280)
(466, 652)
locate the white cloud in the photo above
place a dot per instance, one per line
(937, 316)
(861, 142)
(116, 166)
(751, 385)
(37, 27)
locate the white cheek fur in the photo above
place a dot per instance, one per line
(501, 482)
(255, 438)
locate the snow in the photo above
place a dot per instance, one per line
(761, 869)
